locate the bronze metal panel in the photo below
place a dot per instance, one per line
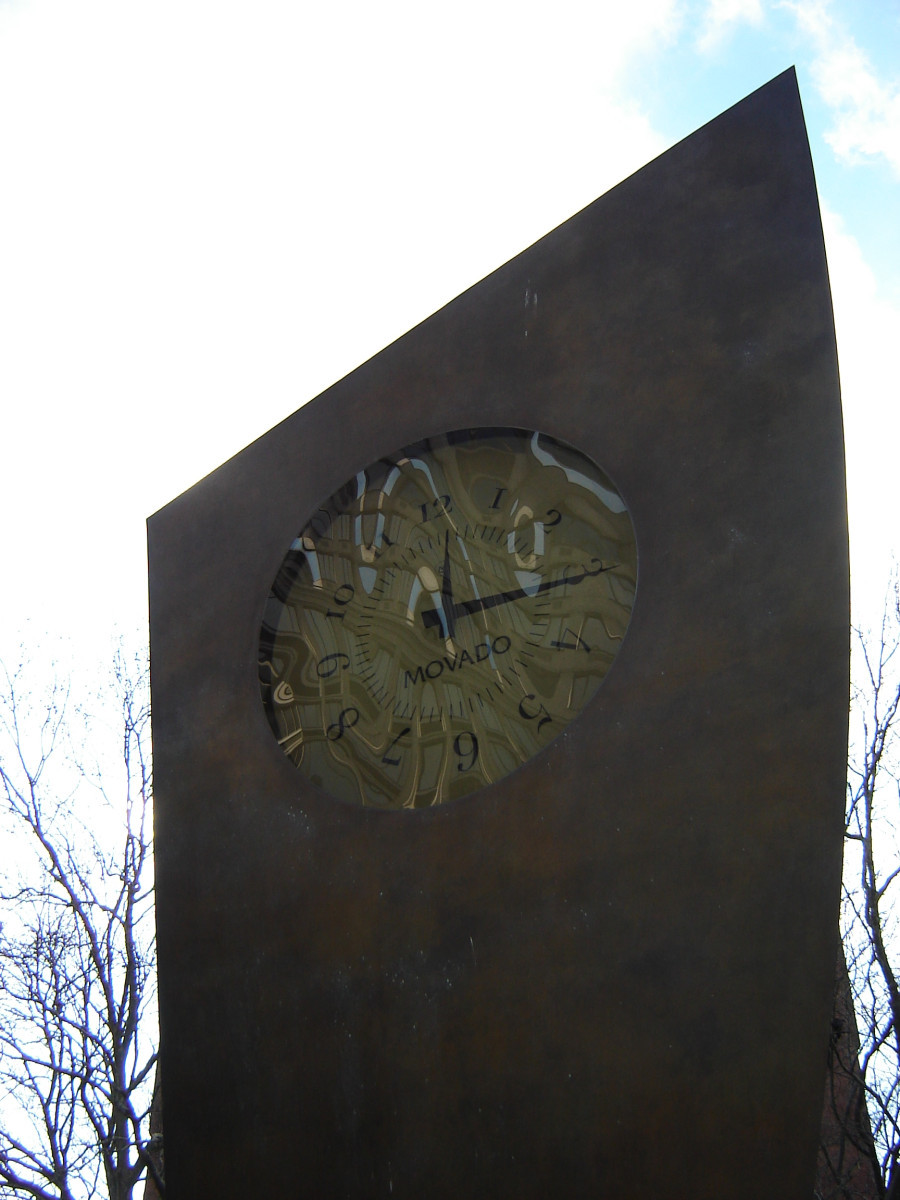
(610, 973)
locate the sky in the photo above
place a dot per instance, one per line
(211, 211)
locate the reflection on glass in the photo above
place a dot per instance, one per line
(444, 615)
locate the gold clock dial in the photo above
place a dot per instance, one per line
(445, 615)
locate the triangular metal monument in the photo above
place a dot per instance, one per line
(500, 713)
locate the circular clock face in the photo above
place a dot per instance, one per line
(445, 615)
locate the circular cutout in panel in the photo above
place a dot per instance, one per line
(445, 615)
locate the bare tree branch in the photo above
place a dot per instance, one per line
(77, 966)
(866, 1072)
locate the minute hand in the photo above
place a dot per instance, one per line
(466, 608)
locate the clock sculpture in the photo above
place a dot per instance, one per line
(500, 702)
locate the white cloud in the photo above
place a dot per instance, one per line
(209, 215)
(866, 108)
(868, 333)
(722, 16)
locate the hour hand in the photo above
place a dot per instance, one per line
(447, 606)
(440, 592)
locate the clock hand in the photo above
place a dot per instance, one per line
(447, 605)
(467, 608)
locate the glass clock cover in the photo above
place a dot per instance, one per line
(446, 614)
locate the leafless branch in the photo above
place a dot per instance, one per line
(77, 966)
(871, 1070)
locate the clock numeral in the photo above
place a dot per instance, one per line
(586, 573)
(465, 746)
(438, 506)
(331, 664)
(370, 532)
(577, 644)
(500, 492)
(540, 715)
(599, 570)
(394, 762)
(343, 595)
(557, 517)
(373, 551)
(347, 718)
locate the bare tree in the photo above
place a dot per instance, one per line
(77, 969)
(848, 1167)
(860, 1154)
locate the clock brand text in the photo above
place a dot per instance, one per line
(455, 662)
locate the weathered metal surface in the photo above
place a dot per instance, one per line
(610, 973)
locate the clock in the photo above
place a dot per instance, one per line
(446, 614)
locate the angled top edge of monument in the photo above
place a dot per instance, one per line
(777, 95)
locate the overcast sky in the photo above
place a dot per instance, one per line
(210, 211)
